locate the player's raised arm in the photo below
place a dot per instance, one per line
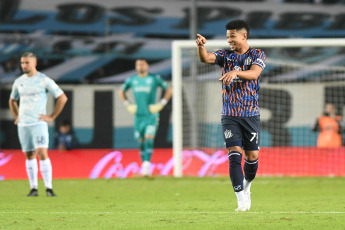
(202, 52)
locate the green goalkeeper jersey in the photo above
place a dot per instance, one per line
(144, 90)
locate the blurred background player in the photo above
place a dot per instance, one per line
(65, 138)
(240, 117)
(330, 127)
(31, 89)
(145, 109)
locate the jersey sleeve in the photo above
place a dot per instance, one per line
(219, 57)
(161, 82)
(53, 88)
(259, 58)
(126, 85)
(15, 93)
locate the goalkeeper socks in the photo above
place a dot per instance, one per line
(142, 151)
(235, 170)
(31, 170)
(250, 168)
(148, 148)
(46, 171)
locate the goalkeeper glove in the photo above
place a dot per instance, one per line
(132, 109)
(157, 107)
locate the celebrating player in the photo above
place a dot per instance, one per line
(31, 89)
(240, 117)
(146, 110)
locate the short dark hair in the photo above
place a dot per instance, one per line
(238, 25)
(65, 122)
(29, 54)
(142, 59)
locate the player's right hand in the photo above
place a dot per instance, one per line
(132, 109)
(200, 41)
(16, 121)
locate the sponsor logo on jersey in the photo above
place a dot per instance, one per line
(32, 93)
(248, 61)
(229, 59)
(148, 81)
(227, 134)
(145, 89)
(238, 68)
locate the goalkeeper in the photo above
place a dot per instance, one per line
(145, 108)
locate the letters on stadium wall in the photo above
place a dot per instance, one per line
(90, 38)
(152, 18)
(120, 163)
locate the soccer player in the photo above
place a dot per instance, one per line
(240, 118)
(145, 109)
(31, 89)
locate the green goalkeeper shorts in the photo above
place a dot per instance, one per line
(145, 125)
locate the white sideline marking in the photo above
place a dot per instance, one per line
(163, 212)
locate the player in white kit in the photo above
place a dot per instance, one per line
(31, 89)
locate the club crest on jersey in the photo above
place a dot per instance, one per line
(238, 68)
(148, 81)
(248, 61)
(227, 134)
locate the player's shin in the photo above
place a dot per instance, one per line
(32, 169)
(46, 171)
(250, 168)
(236, 176)
(148, 148)
(235, 170)
(142, 151)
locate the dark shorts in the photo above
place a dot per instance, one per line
(241, 131)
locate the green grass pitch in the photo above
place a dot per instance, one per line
(169, 203)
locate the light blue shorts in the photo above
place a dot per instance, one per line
(33, 136)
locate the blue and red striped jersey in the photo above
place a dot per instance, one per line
(241, 97)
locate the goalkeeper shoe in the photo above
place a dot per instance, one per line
(33, 192)
(50, 192)
(146, 168)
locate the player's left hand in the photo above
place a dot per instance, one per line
(46, 118)
(156, 108)
(228, 77)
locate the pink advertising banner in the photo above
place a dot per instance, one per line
(123, 163)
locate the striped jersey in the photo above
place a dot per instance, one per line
(241, 97)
